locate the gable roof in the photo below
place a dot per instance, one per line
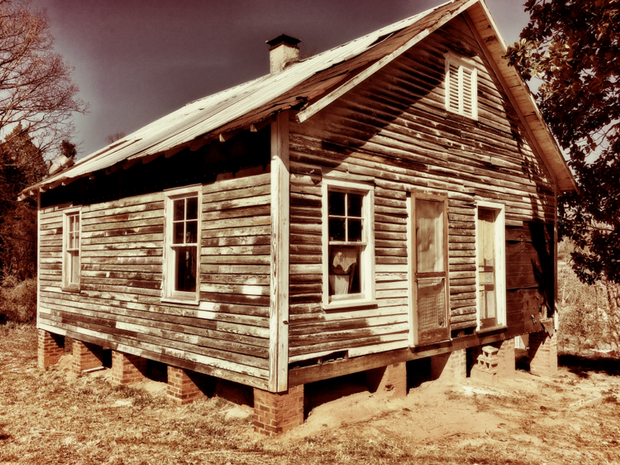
(309, 85)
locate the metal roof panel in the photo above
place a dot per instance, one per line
(301, 83)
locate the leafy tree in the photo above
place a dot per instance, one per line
(21, 164)
(573, 46)
(36, 90)
(68, 149)
(37, 99)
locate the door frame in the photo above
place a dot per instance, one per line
(500, 267)
(440, 334)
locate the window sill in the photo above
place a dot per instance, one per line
(492, 329)
(350, 304)
(172, 300)
(462, 116)
(74, 289)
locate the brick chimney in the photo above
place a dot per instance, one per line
(282, 51)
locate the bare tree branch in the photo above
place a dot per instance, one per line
(36, 89)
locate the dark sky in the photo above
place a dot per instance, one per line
(137, 60)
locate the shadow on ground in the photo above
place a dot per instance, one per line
(582, 366)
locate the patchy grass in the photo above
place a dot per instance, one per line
(50, 417)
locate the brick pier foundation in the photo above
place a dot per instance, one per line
(49, 349)
(278, 413)
(86, 356)
(390, 381)
(449, 367)
(185, 386)
(127, 368)
(543, 354)
(506, 357)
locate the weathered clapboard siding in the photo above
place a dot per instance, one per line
(348, 329)
(530, 252)
(119, 303)
(305, 242)
(236, 242)
(50, 249)
(393, 129)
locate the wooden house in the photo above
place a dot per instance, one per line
(389, 200)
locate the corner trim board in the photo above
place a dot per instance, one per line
(279, 280)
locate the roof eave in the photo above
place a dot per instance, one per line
(490, 40)
(323, 102)
(519, 93)
(515, 86)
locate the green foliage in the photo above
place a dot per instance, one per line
(68, 149)
(21, 164)
(589, 314)
(37, 100)
(573, 46)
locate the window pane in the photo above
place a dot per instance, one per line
(344, 270)
(192, 208)
(75, 243)
(179, 210)
(185, 269)
(178, 233)
(431, 304)
(355, 230)
(336, 229)
(191, 234)
(429, 236)
(336, 203)
(75, 267)
(489, 304)
(355, 205)
(486, 266)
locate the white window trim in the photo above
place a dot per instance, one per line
(168, 292)
(463, 64)
(500, 272)
(367, 275)
(67, 285)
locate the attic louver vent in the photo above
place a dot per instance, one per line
(461, 87)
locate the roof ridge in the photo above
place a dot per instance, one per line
(320, 77)
(115, 151)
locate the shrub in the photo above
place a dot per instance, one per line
(589, 314)
(18, 303)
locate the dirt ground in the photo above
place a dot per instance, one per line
(52, 417)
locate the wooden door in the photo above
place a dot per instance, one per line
(430, 269)
(487, 268)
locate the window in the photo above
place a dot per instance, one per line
(182, 245)
(490, 265)
(429, 250)
(71, 250)
(461, 87)
(348, 244)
